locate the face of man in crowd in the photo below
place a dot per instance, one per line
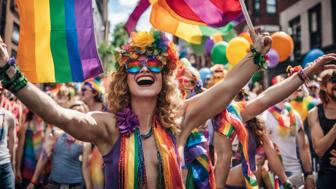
(331, 89)
(86, 93)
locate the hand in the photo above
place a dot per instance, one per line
(30, 186)
(262, 41)
(3, 53)
(319, 64)
(309, 183)
(18, 176)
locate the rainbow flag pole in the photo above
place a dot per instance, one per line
(247, 18)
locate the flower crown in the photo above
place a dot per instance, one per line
(152, 44)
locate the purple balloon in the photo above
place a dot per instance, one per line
(208, 45)
(273, 58)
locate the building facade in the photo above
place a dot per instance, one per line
(311, 23)
(9, 25)
(263, 13)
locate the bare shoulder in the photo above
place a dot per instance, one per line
(107, 122)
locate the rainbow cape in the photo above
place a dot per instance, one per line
(191, 20)
(229, 123)
(57, 41)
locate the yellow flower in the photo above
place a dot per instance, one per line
(142, 39)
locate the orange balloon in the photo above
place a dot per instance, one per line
(217, 37)
(283, 44)
(247, 36)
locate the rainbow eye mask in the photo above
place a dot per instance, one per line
(152, 65)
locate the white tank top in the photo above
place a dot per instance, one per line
(4, 152)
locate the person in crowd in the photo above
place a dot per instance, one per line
(322, 123)
(69, 159)
(198, 171)
(30, 137)
(91, 93)
(7, 149)
(239, 113)
(285, 128)
(143, 97)
(314, 89)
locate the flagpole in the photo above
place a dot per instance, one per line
(247, 18)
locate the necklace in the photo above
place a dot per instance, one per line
(148, 134)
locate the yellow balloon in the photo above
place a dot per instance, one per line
(237, 49)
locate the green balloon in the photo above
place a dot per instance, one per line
(218, 53)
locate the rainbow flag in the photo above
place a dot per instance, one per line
(191, 20)
(132, 20)
(57, 41)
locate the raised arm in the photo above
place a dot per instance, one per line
(11, 137)
(273, 159)
(282, 90)
(197, 108)
(86, 165)
(320, 141)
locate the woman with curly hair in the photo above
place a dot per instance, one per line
(140, 137)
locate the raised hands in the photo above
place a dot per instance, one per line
(3, 53)
(262, 41)
(322, 63)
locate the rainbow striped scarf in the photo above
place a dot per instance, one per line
(32, 149)
(286, 122)
(57, 41)
(197, 158)
(230, 123)
(132, 172)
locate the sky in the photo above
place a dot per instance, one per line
(119, 10)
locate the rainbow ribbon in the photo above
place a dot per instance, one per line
(229, 123)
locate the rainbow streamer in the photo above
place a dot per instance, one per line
(57, 41)
(132, 172)
(166, 145)
(96, 169)
(286, 123)
(192, 20)
(132, 20)
(200, 170)
(231, 119)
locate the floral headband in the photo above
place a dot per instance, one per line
(152, 44)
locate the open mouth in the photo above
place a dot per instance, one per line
(145, 80)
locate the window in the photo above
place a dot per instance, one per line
(295, 27)
(13, 53)
(14, 8)
(3, 7)
(315, 26)
(256, 7)
(15, 33)
(271, 6)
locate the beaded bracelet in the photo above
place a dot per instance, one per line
(15, 83)
(298, 69)
(259, 59)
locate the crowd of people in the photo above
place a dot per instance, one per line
(159, 125)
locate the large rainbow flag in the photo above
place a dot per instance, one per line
(193, 19)
(57, 41)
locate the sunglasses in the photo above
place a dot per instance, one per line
(153, 65)
(186, 81)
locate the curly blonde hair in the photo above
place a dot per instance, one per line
(169, 98)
